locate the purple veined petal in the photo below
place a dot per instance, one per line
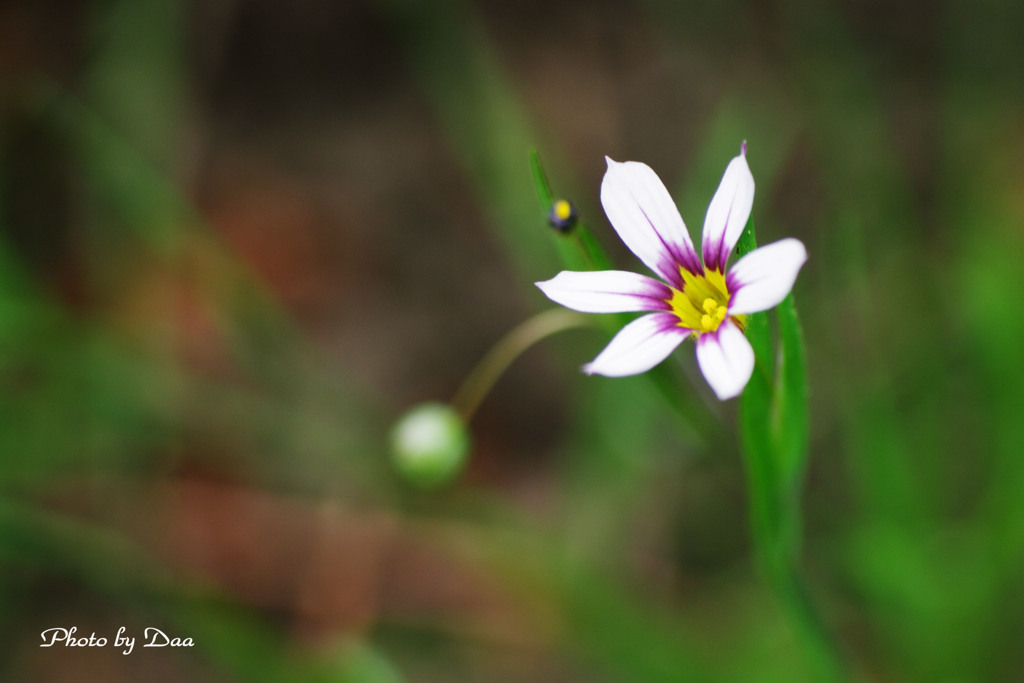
(647, 220)
(639, 346)
(728, 213)
(763, 278)
(726, 359)
(607, 291)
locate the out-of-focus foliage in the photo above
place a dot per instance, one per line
(239, 239)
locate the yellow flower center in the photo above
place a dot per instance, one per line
(703, 302)
(714, 314)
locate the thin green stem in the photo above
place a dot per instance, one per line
(493, 365)
(776, 525)
(828, 662)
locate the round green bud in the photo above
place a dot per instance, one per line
(429, 445)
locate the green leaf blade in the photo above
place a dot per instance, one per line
(540, 181)
(791, 421)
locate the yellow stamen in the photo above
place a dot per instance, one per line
(703, 302)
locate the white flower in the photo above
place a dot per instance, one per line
(696, 299)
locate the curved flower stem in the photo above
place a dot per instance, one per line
(491, 367)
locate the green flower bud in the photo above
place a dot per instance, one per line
(429, 445)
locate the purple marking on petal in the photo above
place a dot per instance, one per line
(670, 248)
(656, 292)
(657, 296)
(732, 282)
(707, 337)
(713, 338)
(723, 253)
(670, 323)
(743, 148)
(726, 359)
(727, 213)
(714, 258)
(667, 271)
(607, 291)
(638, 346)
(688, 258)
(691, 261)
(762, 278)
(680, 255)
(675, 261)
(651, 302)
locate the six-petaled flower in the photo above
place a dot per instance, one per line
(700, 299)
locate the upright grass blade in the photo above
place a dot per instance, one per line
(790, 417)
(755, 429)
(773, 430)
(578, 247)
(540, 181)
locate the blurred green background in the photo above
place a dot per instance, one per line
(239, 238)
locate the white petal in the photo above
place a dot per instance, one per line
(728, 213)
(639, 346)
(726, 359)
(763, 278)
(608, 291)
(647, 220)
